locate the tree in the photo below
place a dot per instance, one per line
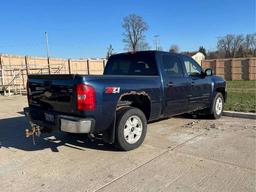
(213, 55)
(230, 45)
(144, 46)
(202, 50)
(109, 51)
(224, 44)
(134, 32)
(249, 44)
(237, 45)
(174, 49)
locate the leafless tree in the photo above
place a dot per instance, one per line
(237, 45)
(249, 44)
(230, 44)
(134, 35)
(109, 51)
(144, 46)
(224, 44)
(174, 49)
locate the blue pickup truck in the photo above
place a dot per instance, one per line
(136, 88)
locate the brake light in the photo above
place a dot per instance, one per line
(86, 97)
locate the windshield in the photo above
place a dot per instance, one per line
(141, 63)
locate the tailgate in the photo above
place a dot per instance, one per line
(52, 92)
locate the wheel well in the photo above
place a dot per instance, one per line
(222, 91)
(140, 101)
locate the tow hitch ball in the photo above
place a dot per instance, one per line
(35, 131)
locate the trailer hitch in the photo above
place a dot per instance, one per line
(35, 131)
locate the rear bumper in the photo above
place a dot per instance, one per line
(63, 123)
(75, 125)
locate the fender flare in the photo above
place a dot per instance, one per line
(109, 134)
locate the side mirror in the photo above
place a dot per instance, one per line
(208, 72)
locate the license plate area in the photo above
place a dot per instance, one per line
(49, 117)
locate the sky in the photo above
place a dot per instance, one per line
(85, 28)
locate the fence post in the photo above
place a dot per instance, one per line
(48, 62)
(88, 67)
(104, 64)
(69, 68)
(22, 76)
(2, 72)
(26, 63)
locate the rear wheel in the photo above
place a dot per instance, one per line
(131, 128)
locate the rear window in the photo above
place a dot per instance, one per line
(132, 64)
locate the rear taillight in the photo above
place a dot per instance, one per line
(86, 97)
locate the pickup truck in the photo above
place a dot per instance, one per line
(135, 88)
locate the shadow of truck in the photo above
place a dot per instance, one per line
(12, 136)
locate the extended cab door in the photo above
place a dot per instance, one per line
(176, 86)
(200, 85)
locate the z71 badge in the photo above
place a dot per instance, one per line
(112, 90)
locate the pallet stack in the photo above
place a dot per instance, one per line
(252, 68)
(14, 69)
(233, 69)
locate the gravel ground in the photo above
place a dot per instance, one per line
(179, 154)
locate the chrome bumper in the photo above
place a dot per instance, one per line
(68, 124)
(75, 125)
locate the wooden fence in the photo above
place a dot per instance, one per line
(14, 69)
(233, 69)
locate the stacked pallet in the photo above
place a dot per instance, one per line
(252, 69)
(14, 69)
(220, 67)
(209, 64)
(233, 69)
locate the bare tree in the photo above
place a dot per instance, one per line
(109, 51)
(144, 46)
(224, 44)
(236, 45)
(134, 28)
(174, 49)
(249, 44)
(230, 45)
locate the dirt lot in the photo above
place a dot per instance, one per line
(179, 154)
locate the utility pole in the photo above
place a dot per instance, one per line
(47, 52)
(47, 46)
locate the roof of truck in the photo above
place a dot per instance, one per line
(149, 51)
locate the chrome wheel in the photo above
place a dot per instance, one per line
(133, 129)
(218, 106)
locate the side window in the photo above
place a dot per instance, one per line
(192, 66)
(172, 65)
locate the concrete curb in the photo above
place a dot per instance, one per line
(239, 114)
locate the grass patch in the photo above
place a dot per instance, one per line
(241, 96)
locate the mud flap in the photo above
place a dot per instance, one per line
(109, 135)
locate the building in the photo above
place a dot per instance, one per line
(196, 55)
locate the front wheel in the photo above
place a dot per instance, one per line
(217, 106)
(131, 128)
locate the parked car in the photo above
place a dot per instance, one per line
(136, 88)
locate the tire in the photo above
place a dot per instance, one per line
(217, 106)
(131, 128)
